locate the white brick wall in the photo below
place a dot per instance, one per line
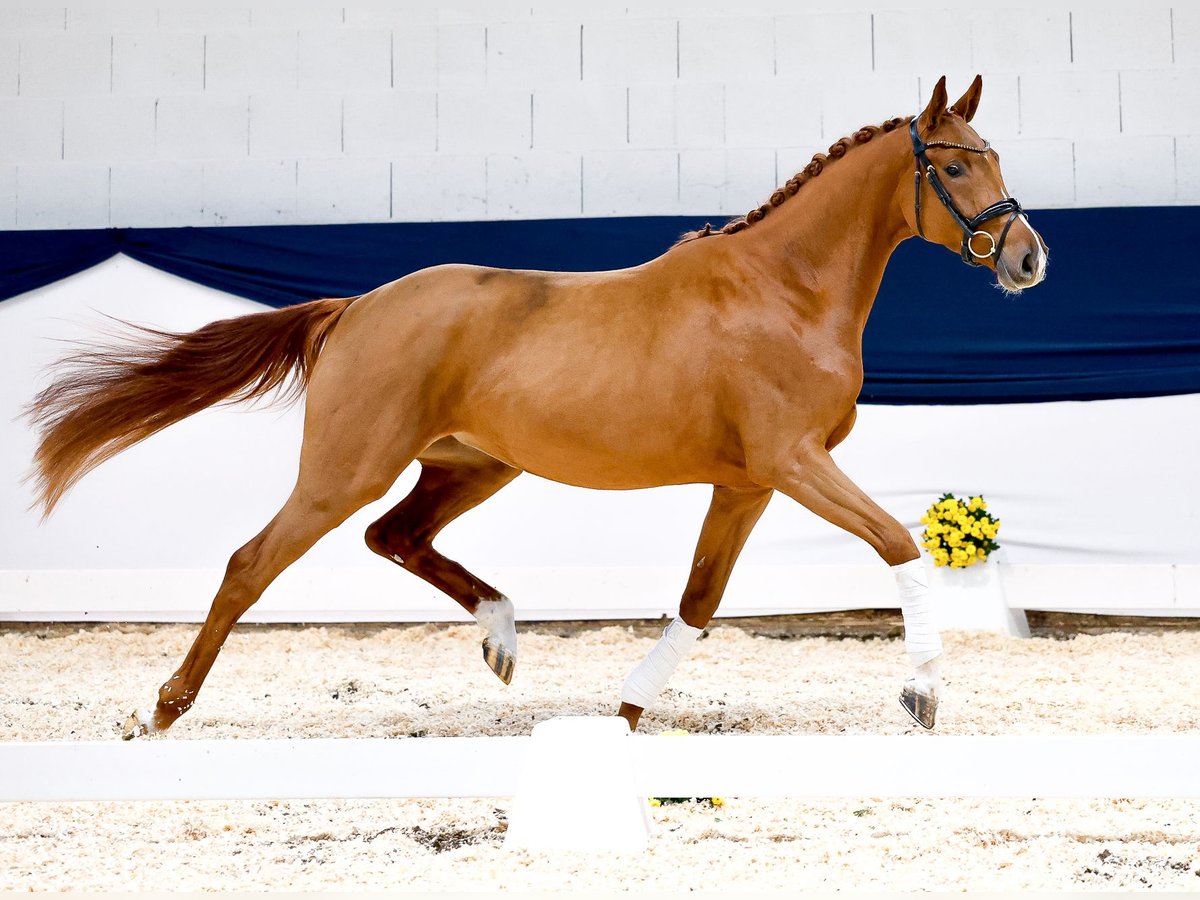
(374, 110)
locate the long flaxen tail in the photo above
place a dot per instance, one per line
(104, 398)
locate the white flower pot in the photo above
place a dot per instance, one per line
(972, 599)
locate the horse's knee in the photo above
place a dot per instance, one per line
(897, 546)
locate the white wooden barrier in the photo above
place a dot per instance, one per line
(695, 766)
(381, 594)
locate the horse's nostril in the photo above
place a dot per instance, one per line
(1027, 264)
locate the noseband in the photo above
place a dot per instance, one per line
(970, 227)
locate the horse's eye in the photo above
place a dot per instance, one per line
(954, 170)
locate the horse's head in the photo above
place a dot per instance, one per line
(958, 198)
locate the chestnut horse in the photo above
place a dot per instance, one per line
(734, 359)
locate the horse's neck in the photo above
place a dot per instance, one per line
(830, 243)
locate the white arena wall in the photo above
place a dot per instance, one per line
(137, 114)
(154, 114)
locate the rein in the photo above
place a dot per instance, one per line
(970, 227)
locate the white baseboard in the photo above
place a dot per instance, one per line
(384, 594)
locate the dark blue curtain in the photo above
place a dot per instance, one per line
(1119, 315)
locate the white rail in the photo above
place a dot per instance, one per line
(695, 766)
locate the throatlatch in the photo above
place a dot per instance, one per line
(970, 227)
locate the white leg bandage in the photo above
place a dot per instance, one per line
(499, 621)
(650, 677)
(921, 637)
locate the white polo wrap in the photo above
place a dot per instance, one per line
(650, 677)
(921, 637)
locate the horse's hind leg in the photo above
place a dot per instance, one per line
(731, 517)
(334, 482)
(454, 478)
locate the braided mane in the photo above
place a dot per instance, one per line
(793, 184)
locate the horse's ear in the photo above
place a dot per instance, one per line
(966, 105)
(936, 108)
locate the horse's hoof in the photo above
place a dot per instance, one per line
(139, 724)
(499, 660)
(922, 707)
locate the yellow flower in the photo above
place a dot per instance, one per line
(954, 538)
(932, 544)
(718, 801)
(940, 556)
(654, 801)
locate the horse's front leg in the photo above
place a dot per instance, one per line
(731, 516)
(813, 479)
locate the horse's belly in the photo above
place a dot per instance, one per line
(592, 465)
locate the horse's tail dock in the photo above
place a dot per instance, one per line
(106, 397)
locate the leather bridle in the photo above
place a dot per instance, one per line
(970, 227)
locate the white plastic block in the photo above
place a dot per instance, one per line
(700, 115)
(349, 59)
(8, 196)
(569, 759)
(387, 123)
(484, 121)
(157, 194)
(651, 115)
(295, 124)
(202, 126)
(1069, 104)
(1040, 173)
(249, 192)
(31, 130)
(534, 186)
(1187, 162)
(250, 61)
(579, 117)
(108, 129)
(526, 54)
(724, 182)
(63, 65)
(62, 195)
(1007, 40)
(907, 41)
(772, 114)
(630, 183)
(439, 188)
(414, 53)
(461, 56)
(629, 51)
(9, 58)
(973, 599)
(151, 64)
(1107, 36)
(851, 102)
(1130, 170)
(106, 18)
(1185, 25)
(822, 43)
(1161, 101)
(729, 48)
(343, 190)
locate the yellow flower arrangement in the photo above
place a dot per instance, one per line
(959, 533)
